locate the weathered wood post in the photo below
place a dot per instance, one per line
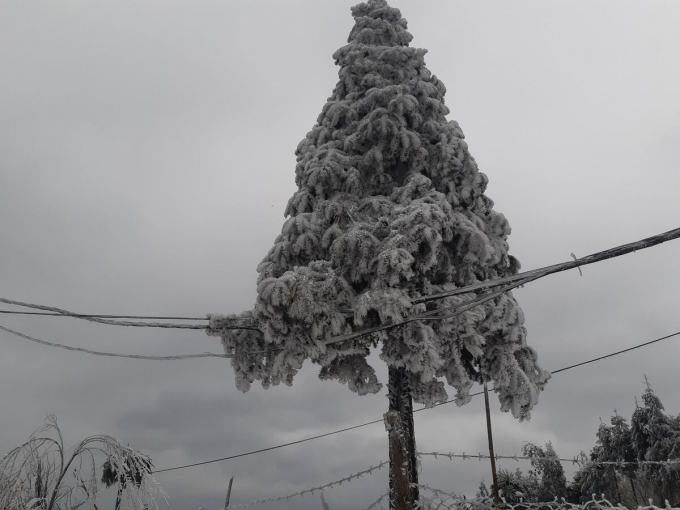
(496, 498)
(404, 492)
(226, 504)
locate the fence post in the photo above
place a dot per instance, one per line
(226, 504)
(496, 499)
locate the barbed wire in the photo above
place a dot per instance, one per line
(592, 504)
(576, 460)
(450, 456)
(439, 493)
(377, 502)
(444, 500)
(313, 489)
(447, 501)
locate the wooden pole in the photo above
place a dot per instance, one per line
(404, 493)
(496, 499)
(226, 505)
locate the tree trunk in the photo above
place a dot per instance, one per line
(119, 497)
(616, 488)
(492, 456)
(402, 442)
(632, 486)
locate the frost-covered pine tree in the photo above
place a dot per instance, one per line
(656, 437)
(614, 444)
(546, 467)
(483, 491)
(390, 207)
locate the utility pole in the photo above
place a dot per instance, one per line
(404, 492)
(226, 504)
(496, 499)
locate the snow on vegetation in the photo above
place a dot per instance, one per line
(41, 474)
(390, 206)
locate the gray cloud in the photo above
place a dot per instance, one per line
(146, 157)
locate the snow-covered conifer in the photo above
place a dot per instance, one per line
(483, 491)
(390, 207)
(656, 437)
(614, 444)
(546, 467)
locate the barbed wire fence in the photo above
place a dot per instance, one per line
(443, 500)
(312, 490)
(576, 460)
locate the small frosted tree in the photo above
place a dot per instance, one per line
(515, 486)
(41, 474)
(390, 207)
(656, 437)
(614, 444)
(546, 467)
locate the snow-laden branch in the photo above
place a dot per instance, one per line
(508, 283)
(34, 474)
(609, 253)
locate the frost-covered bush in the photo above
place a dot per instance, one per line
(390, 207)
(656, 437)
(636, 462)
(441, 502)
(41, 474)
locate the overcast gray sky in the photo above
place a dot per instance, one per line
(147, 155)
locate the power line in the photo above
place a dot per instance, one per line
(609, 253)
(416, 411)
(508, 283)
(60, 311)
(214, 355)
(54, 314)
(129, 356)
(576, 365)
(616, 353)
(268, 449)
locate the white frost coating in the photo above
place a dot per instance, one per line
(390, 206)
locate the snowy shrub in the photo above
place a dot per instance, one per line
(41, 474)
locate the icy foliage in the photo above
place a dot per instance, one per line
(441, 500)
(41, 474)
(390, 206)
(656, 437)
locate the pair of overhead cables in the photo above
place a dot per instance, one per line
(225, 323)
